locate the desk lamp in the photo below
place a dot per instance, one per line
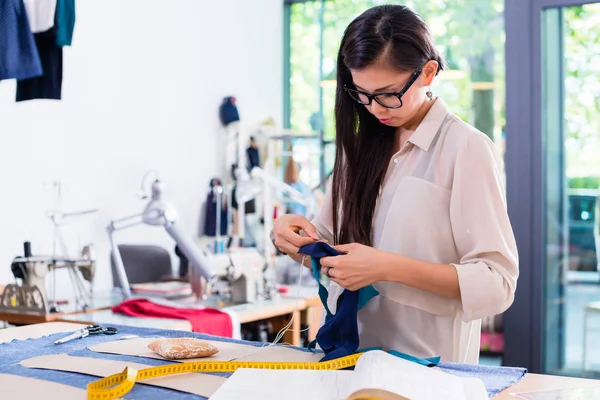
(161, 213)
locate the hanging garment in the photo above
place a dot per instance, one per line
(41, 14)
(19, 58)
(64, 22)
(253, 158)
(338, 337)
(207, 320)
(210, 217)
(49, 84)
(228, 111)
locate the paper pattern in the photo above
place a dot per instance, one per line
(195, 383)
(21, 387)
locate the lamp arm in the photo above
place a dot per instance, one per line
(199, 264)
(125, 222)
(279, 185)
(119, 266)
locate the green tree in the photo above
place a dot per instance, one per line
(582, 93)
(473, 29)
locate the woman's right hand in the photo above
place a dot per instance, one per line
(290, 232)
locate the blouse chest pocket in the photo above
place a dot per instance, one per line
(419, 212)
(417, 225)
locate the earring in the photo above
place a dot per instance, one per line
(429, 94)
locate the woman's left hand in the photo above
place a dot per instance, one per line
(358, 267)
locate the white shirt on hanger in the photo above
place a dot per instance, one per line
(442, 201)
(40, 14)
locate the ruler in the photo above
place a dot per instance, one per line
(118, 385)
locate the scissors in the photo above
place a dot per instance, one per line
(88, 330)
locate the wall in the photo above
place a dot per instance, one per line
(142, 85)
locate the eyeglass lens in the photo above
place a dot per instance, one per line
(386, 100)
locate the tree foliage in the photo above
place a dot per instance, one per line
(473, 31)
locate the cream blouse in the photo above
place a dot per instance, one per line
(442, 201)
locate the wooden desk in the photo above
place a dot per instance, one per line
(278, 312)
(531, 382)
(304, 305)
(537, 382)
(98, 302)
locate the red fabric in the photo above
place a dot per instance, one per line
(209, 320)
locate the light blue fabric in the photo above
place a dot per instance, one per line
(494, 378)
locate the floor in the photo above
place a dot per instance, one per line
(577, 296)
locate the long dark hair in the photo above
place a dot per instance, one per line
(363, 144)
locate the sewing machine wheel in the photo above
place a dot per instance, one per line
(88, 271)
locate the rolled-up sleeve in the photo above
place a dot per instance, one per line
(488, 268)
(323, 219)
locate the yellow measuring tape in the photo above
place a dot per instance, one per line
(118, 385)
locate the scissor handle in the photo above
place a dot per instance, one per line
(98, 330)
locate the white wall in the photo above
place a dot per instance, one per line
(142, 85)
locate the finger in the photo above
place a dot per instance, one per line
(288, 248)
(306, 226)
(344, 248)
(292, 247)
(332, 273)
(329, 261)
(297, 240)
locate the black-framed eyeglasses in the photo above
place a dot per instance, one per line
(387, 100)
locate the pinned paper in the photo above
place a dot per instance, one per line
(195, 383)
(227, 351)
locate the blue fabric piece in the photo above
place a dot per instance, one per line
(320, 249)
(495, 379)
(64, 21)
(19, 57)
(338, 337)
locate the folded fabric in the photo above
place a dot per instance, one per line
(207, 320)
(19, 57)
(338, 337)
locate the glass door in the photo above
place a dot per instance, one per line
(570, 44)
(553, 184)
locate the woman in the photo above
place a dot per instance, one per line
(416, 203)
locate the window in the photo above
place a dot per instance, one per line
(470, 35)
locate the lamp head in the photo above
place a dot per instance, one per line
(157, 211)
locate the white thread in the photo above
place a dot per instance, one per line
(286, 328)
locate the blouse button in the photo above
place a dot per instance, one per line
(395, 161)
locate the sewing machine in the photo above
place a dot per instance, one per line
(240, 276)
(37, 274)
